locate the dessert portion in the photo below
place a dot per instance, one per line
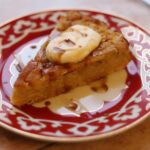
(79, 50)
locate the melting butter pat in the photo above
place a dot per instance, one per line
(73, 45)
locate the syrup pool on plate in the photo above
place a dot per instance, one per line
(89, 98)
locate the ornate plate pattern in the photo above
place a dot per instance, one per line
(29, 121)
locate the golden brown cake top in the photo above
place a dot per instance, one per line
(111, 41)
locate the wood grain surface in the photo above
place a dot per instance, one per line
(137, 138)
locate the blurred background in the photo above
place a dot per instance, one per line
(134, 10)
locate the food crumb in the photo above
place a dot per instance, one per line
(47, 103)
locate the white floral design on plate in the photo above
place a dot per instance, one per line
(30, 124)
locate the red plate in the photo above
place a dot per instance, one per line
(130, 107)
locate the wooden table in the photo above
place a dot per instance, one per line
(137, 138)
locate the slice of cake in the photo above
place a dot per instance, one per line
(79, 50)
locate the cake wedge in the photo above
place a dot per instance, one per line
(58, 69)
